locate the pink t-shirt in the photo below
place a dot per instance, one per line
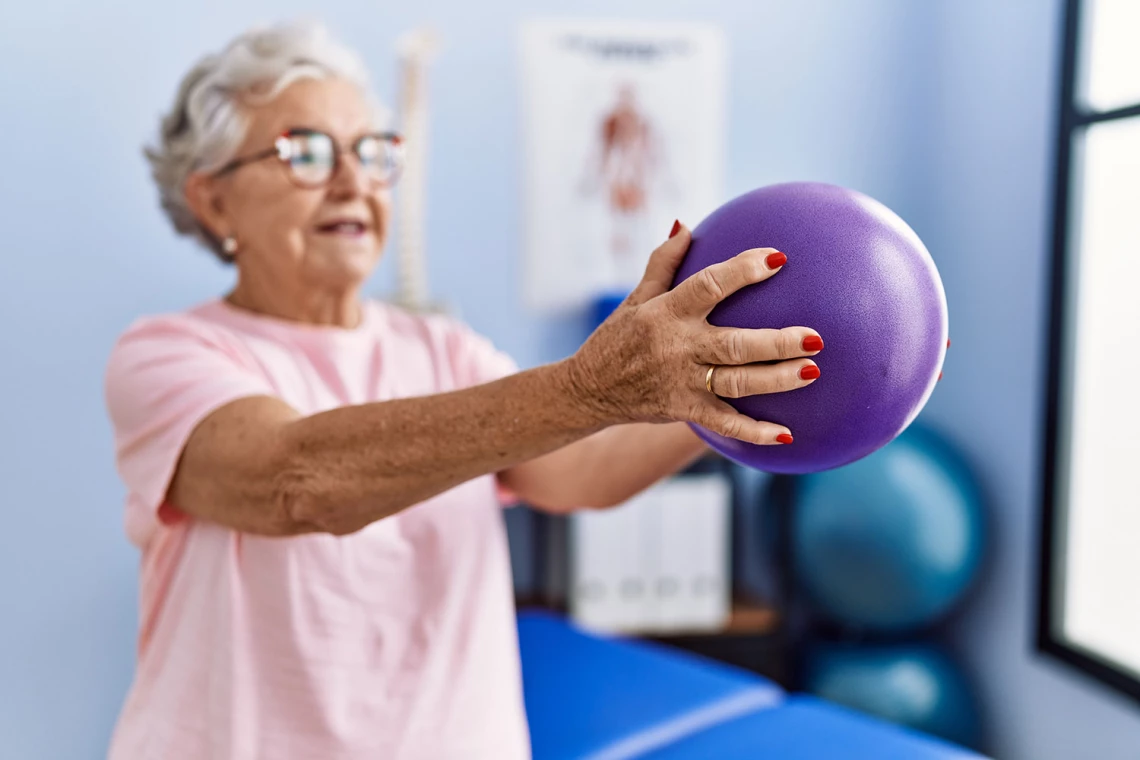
(395, 642)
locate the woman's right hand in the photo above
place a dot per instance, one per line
(648, 362)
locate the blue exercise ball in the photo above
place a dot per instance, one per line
(891, 542)
(914, 685)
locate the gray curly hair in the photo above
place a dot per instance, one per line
(207, 124)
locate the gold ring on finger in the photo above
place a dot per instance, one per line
(708, 378)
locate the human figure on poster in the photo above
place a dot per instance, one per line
(626, 161)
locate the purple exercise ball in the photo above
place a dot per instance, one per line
(859, 276)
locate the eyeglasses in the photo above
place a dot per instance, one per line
(311, 157)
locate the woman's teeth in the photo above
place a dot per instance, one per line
(344, 228)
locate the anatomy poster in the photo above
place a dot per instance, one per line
(623, 131)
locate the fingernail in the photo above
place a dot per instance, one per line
(676, 228)
(813, 343)
(810, 372)
(776, 260)
(784, 438)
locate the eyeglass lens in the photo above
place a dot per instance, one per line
(311, 157)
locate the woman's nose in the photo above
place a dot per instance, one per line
(350, 179)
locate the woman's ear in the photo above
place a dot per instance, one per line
(205, 201)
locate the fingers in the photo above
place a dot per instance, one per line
(699, 294)
(757, 379)
(735, 346)
(663, 264)
(720, 418)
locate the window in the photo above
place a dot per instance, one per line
(1090, 568)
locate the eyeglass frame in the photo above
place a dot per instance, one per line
(282, 146)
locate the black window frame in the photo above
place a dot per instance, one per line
(1074, 118)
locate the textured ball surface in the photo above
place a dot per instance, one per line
(858, 275)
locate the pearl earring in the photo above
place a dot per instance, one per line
(229, 245)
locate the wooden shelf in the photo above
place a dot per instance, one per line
(745, 619)
(752, 619)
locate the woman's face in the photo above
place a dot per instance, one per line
(290, 238)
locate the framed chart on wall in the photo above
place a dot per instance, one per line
(624, 130)
(1089, 612)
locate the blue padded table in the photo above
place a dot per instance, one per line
(600, 698)
(592, 697)
(805, 728)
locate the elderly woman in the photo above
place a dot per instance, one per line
(314, 479)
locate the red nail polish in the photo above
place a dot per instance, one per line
(784, 438)
(810, 372)
(947, 343)
(776, 260)
(813, 343)
(939, 375)
(676, 228)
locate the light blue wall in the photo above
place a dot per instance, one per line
(990, 143)
(941, 110)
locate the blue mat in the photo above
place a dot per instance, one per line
(805, 728)
(608, 699)
(590, 697)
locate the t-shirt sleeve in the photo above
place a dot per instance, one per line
(165, 375)
(475, 359)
